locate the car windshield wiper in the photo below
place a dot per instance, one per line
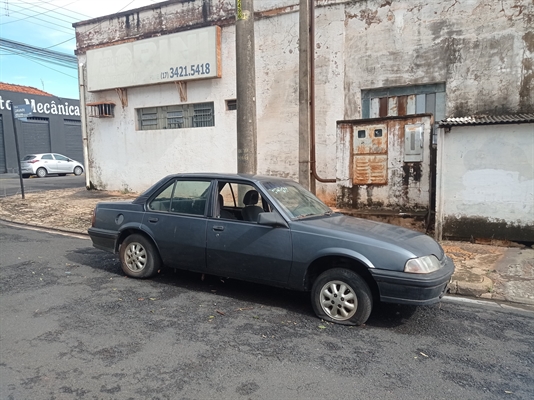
(328, 212)
(306, 215)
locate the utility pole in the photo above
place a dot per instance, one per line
(246, 88)
(305, 178)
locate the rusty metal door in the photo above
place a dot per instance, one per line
(370, 155)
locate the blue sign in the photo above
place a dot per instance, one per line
(22, 111)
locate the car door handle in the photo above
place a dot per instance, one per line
(153, 220)
(218, 228)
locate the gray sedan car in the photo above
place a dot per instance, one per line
(272, 231)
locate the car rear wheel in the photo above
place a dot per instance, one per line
(340, 295)
(41, 172)
(25, 176)
(78, 171)
(139, 257)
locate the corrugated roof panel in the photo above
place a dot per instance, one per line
(488, 120)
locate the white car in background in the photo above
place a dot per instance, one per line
(49, 163)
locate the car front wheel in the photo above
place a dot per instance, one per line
(340, 295)
(139, 257)
(78, 171)
(41, 172)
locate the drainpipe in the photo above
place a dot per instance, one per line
(81, 80)
(313, 162)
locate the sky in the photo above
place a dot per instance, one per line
(48, 24)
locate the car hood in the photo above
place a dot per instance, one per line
(372, 233)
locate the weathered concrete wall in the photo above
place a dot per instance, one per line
(486, 184)
(123, 158)
(156, 153)
(481, 49)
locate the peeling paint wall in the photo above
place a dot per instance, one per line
(487, 182)
(123, 158)
(481, 50)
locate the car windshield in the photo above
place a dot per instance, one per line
(296, 201)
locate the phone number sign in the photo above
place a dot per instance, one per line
(188, 55)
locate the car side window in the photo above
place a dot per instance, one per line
(182, 197)
(238, 201)
(60, 157)
(47, 157)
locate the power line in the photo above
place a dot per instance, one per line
(39, 19)
(39, 53)
(53, 69)
(41, 13)
(63, 7)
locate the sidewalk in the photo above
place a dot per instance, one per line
(488, 271)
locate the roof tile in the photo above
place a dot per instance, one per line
(22, 89)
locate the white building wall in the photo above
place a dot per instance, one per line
(479, 49)
(123, 158)
(486, 180)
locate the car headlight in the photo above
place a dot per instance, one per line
(422, 265)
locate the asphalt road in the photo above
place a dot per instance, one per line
(10, 183)
(73, 327)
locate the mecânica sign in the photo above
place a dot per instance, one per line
(182, 56)
(48, 107)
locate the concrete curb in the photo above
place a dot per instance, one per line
(471, 289)
(45, 228)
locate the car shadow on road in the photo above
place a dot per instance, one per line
(384, 315)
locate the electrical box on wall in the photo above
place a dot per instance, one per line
(413, 143)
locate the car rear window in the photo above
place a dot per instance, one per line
(29, 157)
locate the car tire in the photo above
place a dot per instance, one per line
(25, 176)
(41, 172)
(78, 171)
(342, 296)
(139, 257)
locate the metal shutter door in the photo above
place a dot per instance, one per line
(36, 136)
(73, 140)
(3, 168)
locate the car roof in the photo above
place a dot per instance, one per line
(43, 154)
(208, 175)
(218, 175)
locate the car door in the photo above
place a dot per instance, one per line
(176, 219)
(63, 164)
(49, 162)
(243, 249)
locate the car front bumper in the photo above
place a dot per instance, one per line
(416, 289)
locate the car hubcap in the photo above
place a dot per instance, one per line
(338, 300)
(135, 257)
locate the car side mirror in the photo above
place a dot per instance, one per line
(271, 219)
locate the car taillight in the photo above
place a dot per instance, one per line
(93, 218)
(32, 161)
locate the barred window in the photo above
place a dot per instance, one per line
(176, 117)
(405, 100)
